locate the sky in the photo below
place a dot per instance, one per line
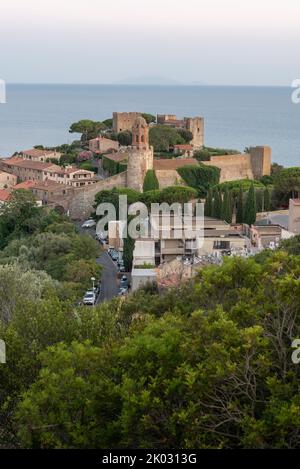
(217, 42)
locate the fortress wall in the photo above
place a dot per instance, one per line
(168, 177)
(232, 167)
(81, 203)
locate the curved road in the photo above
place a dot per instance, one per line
(109, 287)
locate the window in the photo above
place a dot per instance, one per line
(221, 245)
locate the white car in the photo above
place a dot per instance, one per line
(89, 298)
(88, 224)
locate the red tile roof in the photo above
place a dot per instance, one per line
(19, 162)
(36, 152)
(4, 195)
(24, 185)
(184, 147)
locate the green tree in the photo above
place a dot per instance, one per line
(20, 216)
(267, 200)
(87, 128)
(186, 135)
(217, 204)
(250, 207)
(149, 118)
(208, 208)
(128, 249)
(162, 137)
(227, 207)
(125, 138)
(287, 181)
(240, 207)
(200, 177)
(150, 182)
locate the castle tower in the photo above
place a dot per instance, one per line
(261, 160)
(140, 156)
(140, 134)
(196, 126)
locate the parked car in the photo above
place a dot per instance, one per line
(122, 268)
(88, 224)
(89, 298)
(124, 282)
(123, 291)
(115, 256)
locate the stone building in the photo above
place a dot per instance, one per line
(140, 155)
(195, 125)
(101, 145)
(124, 120)
(7, 180)
(36, 154)
(294, 216)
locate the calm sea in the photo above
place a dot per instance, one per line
(235, 117)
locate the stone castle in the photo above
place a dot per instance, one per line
(78, 201)
(140, 159)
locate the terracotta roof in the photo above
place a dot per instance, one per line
(174, 163)
(295, 201)
(29, 164)
(4, 195)
(184, 147)
(24, 185)
(36, 152)
(50, 185)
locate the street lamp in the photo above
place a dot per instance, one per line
(93, 282)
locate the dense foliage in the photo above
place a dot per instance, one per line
(206, 153)
(157, 371)
(200, 177)
(150, 182)
(162, 137)
(207, 365)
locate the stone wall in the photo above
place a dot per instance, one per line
(124, 120)
(168, 178)
(232, 167)
(80, 204)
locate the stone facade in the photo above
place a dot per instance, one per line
(294, 216)
(195, 125)
(124, 120)
(102, 145)
(261, 161)
(140, 155)
(7, 180)
(36, 154)
(243, 166)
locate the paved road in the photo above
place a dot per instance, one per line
(109, 278)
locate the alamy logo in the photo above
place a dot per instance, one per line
(2, 92)
(2, 352)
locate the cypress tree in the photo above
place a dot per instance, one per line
(250, 208)
(240, 207)
(217, 205)
(267, 200)
(227, 207)
(208, 208)
(150, 182)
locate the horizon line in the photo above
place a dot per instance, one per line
(207, 85)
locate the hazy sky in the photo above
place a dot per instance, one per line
(102, 41)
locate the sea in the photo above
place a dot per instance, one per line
(235, 116)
